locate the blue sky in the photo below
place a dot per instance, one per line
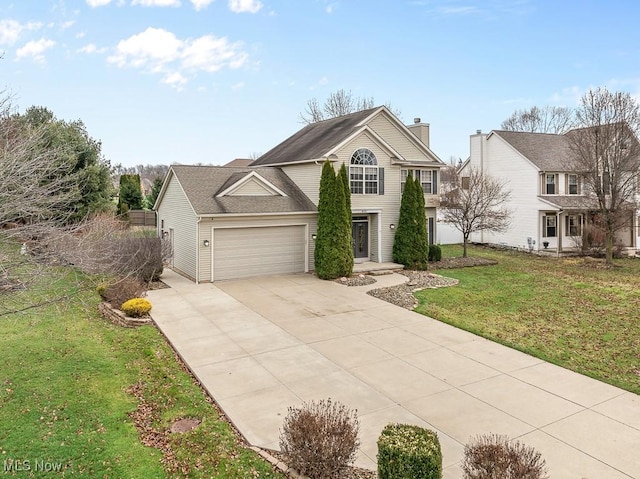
(206, 81)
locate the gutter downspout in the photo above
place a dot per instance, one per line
(198, 250)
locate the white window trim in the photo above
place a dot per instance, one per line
(363, 169)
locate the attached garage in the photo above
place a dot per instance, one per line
(258, 251)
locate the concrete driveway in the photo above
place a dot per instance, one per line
(261, 345)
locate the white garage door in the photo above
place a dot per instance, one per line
(243, 252)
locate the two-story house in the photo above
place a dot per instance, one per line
(550, 201)
(230, 222)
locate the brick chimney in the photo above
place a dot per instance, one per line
(421, 130)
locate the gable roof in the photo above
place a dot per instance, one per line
(203, 184)
(315, 139)
(547, 151)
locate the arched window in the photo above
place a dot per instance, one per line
(363, 172)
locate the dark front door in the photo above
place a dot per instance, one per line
(360, 233)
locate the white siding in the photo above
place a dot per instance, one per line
(500, 160)
(176, 213)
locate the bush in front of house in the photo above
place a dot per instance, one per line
(411, 241)
(122, 290)
(409, 452)
(493, 456)
(435, 253)
(136, 307)
(320, 439)
(333, 253)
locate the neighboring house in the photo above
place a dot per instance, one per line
(227, 222)
(549, 199)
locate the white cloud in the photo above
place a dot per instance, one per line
(210, 54)
(245, 6)
(35, 49)
(331, 7)
(91, 48)
(200, 4)
(175, 80)
(157, 3)
(237, 86)
(67, 24)
(160, 51)
(98, 3)
(153, 47)
(10, 30)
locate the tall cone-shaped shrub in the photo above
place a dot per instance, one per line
(333, 253)
(348, 221)
(411, 243)
(343, 240)
(325, 221)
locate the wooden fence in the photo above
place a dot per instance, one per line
(142, 218)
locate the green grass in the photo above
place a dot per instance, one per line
(64, 381)
(559, 309)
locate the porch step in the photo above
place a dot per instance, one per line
(380, 272)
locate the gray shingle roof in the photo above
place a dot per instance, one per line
(314, 140)
(572, 202)
(201, 184)
(547, 151)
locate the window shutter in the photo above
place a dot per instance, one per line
(434, 188)
(381, 181)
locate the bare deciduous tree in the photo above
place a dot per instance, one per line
(341, 102)
(549, 119)
(606, 151)
(36, 186)
(478, 203)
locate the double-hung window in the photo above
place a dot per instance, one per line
(550, 184)
(428, 180)
(550, 226)
(363, 173)
(573, 186)
(573, 225)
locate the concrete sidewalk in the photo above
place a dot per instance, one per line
(263, 344)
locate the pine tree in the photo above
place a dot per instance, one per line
(130, 194)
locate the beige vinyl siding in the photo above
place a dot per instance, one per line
(307, 177)
(384, 127)
(177, 213)
(388, 204)
(207, 224)
(252, 188)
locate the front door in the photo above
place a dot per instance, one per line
(360, 234)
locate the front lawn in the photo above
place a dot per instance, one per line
(73, 387)
(568, 311)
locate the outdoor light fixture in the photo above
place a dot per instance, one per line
(313, 237)
(206, 243)
(165, 234)
(392, 226)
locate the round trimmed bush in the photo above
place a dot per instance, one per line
(136, 307)
(409, 452)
